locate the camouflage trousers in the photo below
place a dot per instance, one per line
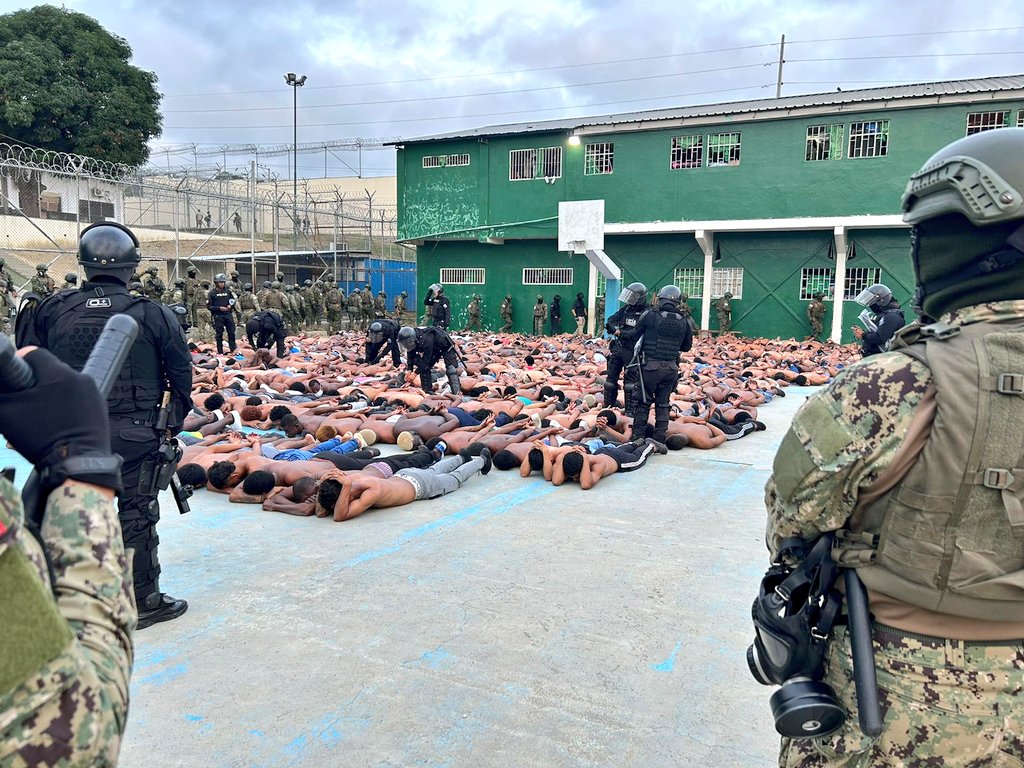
(946, 703)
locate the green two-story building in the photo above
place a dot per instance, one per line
(771, 200)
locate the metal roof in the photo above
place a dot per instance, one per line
(950, 88)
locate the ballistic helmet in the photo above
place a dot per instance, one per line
(375, 333)
(965, 208)
(276, 285)
(192, 271)
(436, 288)
(405, 294)
(267, 284)
(109, 248)
(307, 282)
(70, 277)
(247, 287)
(220, 277)
(179, 283)
(41, 267)
(234, 273)
(874, 296)
(407, 338)
(670, 293)
(633, 294)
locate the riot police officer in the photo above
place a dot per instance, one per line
(882, 317)
(381, 338)
(622, 328)
(664, 333)
(68, 325)
(424, 348)
(439, 309)
(221, 303)
(263, 327)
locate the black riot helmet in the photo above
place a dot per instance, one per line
(375, 333)
(874, 297)
(633, 294)
(109, 249)
(407, 338)
(670, 294)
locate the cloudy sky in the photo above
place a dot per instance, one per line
(386, 69)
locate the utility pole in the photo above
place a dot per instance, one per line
(782, 54)
(296, 82)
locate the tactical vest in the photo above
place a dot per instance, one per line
(246, 300)
(76, 325)
(663, 344)
(948, 536)
(627, 325)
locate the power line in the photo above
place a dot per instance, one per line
(906, 56)
(479, 114)
(905, 34)
(473, 95)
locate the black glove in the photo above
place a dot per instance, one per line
(60, 425)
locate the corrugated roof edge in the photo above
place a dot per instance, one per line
(884, 93)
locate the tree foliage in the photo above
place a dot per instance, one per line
(66, 84)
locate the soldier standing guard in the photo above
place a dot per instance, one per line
(540, 314)
(473, 314)
(153, 287)
(192, 294)
(247, 305)
(816, 314)
(380, 305)
(400, 305)
(70, 282)
(42, 283)
(506, 312)
(723, 307)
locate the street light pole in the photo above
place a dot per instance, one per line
(296, 82)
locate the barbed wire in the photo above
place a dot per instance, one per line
(33, 159)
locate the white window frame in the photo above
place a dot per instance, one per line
(456, 160)
(434, 161)
(726, 144)
(859, 278)
(689, 280)
(681, 154)
(529, 164)
(547, 275)
(869, 138)
(986, 121)
(824, 142)
(727, 279)
(599, 158)
(463, 276)
(817, 280)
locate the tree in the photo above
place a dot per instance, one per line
(66, 85)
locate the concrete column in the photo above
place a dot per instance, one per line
(839, 291)
(706, 241)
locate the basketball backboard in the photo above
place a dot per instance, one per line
(580, 225)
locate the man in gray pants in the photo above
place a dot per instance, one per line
(353, 493)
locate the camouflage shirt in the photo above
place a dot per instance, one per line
(73, 709)
(844, 437)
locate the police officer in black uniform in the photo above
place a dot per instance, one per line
(665, 334)
(381, 338)
(68, 325)
(621, 326)
(263, 327)
(439, 309)
(425, 346)
(883, 316)
(221, 302)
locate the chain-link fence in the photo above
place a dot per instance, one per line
(213, 220)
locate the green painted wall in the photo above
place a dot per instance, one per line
(504, 274)
(772, 179)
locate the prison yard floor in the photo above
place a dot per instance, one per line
(509, 624)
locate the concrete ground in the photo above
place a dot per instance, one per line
(510, 624)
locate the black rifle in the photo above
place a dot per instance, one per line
(162, 473)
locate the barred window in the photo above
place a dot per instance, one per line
(462, 276)
(859, 278)
(458, 159)
(687, 152)
(602, 284)
(598, 158)
(723, 149)
(986, 121)
(1020, 118)
(434, 161)
(869, 139)
(727, 280)
(547, 276)
(824, 142)
(689, 280)
(816, 280)
(524, 164)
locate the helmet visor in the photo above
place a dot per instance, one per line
(629, 296)
(375, 337)
(866, 298)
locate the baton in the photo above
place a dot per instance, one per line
(864, 676)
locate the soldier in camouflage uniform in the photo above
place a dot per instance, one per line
(318, 295)
(70, 282)
(135, 289)
(380, 305)
(365, 307)
(352, 309)
(723, 307)
(910, 455)
(816, 315)
(152, 286)
(278, 302)
(506, 312)
(204, 318)
(193, 295)
(307, 299)
(247, 303)
(42, 283)
(261, 295)
(7, 303)
(333, 304)
(67, 646)
(400, 305)
(176, 295)
(473, 314)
